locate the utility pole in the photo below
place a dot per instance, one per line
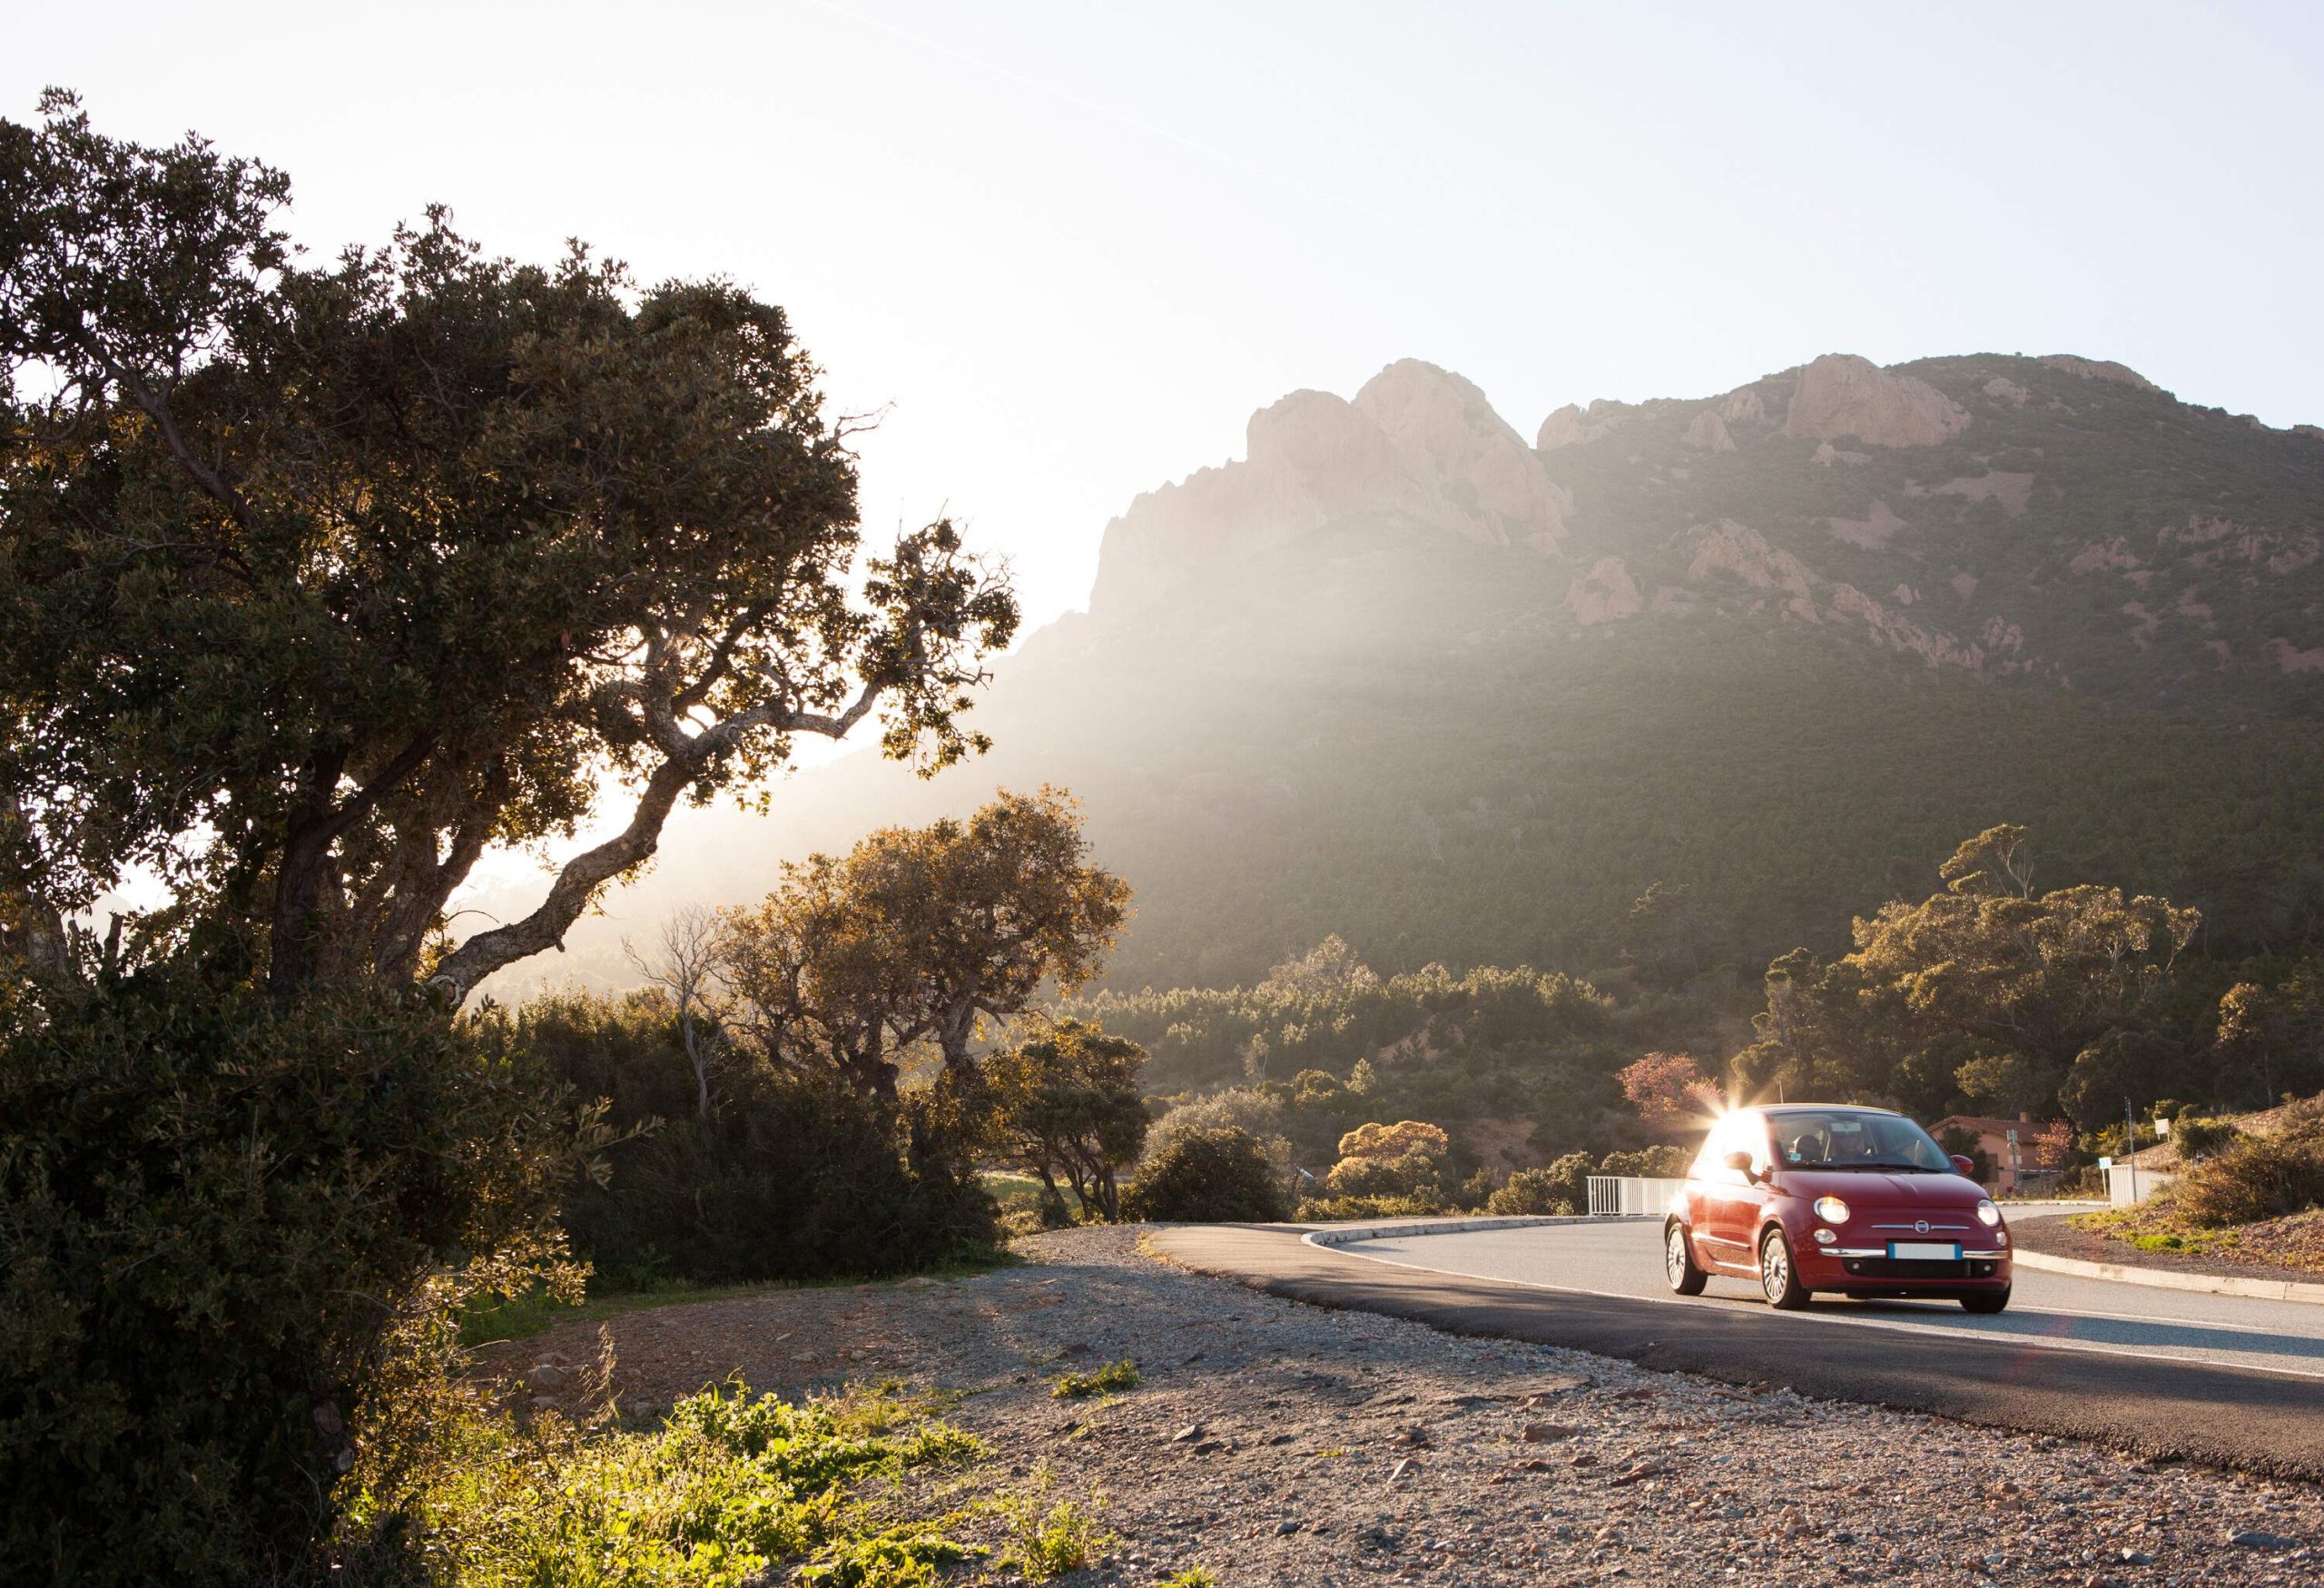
(2130, 1148)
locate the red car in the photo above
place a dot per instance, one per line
(1813, 1197)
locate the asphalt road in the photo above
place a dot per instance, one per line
(2172, 1375)
(2053, 1311)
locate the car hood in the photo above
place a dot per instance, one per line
(1868, 1188)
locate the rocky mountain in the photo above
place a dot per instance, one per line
(1398, 674)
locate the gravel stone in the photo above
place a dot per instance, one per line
(1662, 1479)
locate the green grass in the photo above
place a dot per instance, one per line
(524, 1317)
(723, 1489)
(1011, 1190)
(1122, 1375)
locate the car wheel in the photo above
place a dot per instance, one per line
(1987, 1301)
(1678, 1262)
(1777, 1277)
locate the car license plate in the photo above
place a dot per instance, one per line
(1924, 1252)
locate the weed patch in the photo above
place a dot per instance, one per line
(1113, 1376)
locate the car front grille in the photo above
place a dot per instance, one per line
(1902, 1268)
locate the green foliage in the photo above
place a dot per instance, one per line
(230, 1232)
(2197, 1139)
(1341, 1209)
(1207, 1176)
(1045, 1544)
(328, 576)
(725, 1487)
(1113, 1376)
(1664, 1162)
(1065, 1102)
(1562, 1188)
(1192, 1577)
(2053, 1001)
(858, 965)
(792, 1176)
(1312, 1021)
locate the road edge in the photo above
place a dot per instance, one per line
(2169, 1280)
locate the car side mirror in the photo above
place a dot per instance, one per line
(1740, 1162)
(1964, 1167)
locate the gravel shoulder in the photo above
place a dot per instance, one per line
(1277, 1443)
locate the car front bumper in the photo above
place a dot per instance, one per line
(1847, 1268)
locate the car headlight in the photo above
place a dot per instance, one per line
(1832, 1210)
(1987, 1214)
(1825, 1237)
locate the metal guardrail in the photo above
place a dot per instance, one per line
(1631, 1195)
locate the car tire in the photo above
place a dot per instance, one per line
(1778, 1276)
(1679, 1261)
(1988, 1302)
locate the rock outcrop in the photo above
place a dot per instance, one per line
(1709, 433)
(2099, 370)
(1418, 444)
(1841, 394)
(1448, 437)
(1574, 427)
(1607, 592)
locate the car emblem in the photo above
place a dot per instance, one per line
(1920, 1227)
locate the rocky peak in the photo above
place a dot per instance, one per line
(2099, 370)
(1448, 435)
(1841, 394)
(1419, 443)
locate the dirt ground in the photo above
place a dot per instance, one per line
(1275, 1443)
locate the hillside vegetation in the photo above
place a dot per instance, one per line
(1772, 665)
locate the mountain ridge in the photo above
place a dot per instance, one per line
(1399, 674)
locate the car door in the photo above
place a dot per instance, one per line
(1732, 1199)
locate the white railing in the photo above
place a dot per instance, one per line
(1631, 1195)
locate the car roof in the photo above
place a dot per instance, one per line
(1828, 1109)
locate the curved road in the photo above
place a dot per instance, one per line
(2172, 1374)
(2046, 1310)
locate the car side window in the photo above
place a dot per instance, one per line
(1732, 1134)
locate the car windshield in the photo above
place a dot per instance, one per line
(1842, 1139)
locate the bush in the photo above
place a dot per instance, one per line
(1404, 1139)
(789, 1179)
(1653, 1163)
(2260, 1176)
(1340, 1210)
(2197, 1139)
(215, 1218)
(1542, 1190)
(1416, 1174)
(1208, 1177)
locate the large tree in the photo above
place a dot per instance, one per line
(1986, 994)
(317, 581)
(1066, 1102)
(904, 945)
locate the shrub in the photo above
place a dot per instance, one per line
(1539, 1192)
(1340, 1210)
(2260, 1177)
(790, 1178)
(1654, 1163)
(1208, 1177)
(1400, 1139)
(215, 1215)
(2197, 1139)
(1414, 1174)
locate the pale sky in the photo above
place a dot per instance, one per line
(1071, 247)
